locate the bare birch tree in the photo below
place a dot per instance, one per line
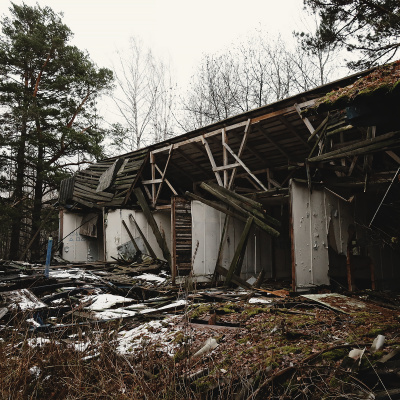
(144, 98)
(251, 74)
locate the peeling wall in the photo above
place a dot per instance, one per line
(77, 247)
(207, 230)
(320, 219)
(80, 248)
(117, 235)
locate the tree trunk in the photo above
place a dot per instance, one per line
(17, 197)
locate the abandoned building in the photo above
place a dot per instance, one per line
(305, 189)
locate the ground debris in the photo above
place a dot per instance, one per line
(154, 338)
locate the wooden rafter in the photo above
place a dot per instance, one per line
(272, 141)
(212, 161)
(292, 129)
(163, 174)
(304, 119)
(189, 160)
(240, 152)
(243, 166)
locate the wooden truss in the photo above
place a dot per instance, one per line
(226, 173)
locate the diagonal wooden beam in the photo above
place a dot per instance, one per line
(167, 182)
(189, 160)
(241, 150)
(237, 261)
(393, 155)
(304, 119)
(153, 224)
(163, 174)
(292, 129)
(224, 139)
(243, 166)
(212, 161)
(273, 142)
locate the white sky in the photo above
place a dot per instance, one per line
(180, 31)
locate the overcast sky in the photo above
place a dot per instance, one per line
(180, 31)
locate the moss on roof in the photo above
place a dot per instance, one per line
(383, 81)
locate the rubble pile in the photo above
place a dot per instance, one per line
(124, 331)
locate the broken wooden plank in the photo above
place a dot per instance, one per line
(361, 147)
(146, 243)
(249, 205)
(131, 237)
(153, 224)
(229, 202)
(109, 175)
(24, 299)
(237, 261)
(234, 279)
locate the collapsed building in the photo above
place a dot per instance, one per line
(305, 189)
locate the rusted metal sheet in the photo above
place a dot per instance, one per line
(339, 302)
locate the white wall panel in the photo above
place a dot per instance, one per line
(208, 225)
(314, 214)
(116, 233)
(76, 247)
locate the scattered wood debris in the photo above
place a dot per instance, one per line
(219, 341)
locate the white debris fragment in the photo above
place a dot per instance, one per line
(72, 273)
(105, 301)
(256, 300)
(151, 278)
(378, 343)
(251, 281)
(173, 305)
(356, 354)
(209, 345)
(40, 342)
(35, 371)
(150, 333)
(115, 313)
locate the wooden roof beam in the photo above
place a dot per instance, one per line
(273, 142)
(293, 130)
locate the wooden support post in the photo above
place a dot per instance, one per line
(372, 271)
(131, 236)
(241, 150)
(173, 227)
(163, 174)
(145, 241)
(260, 279)
(349, 267)
(153, 224)
(237, 262)
(221, 247)
(153, 177)
(224, 138)
(212, 161)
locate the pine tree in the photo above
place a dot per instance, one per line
(48, 92)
